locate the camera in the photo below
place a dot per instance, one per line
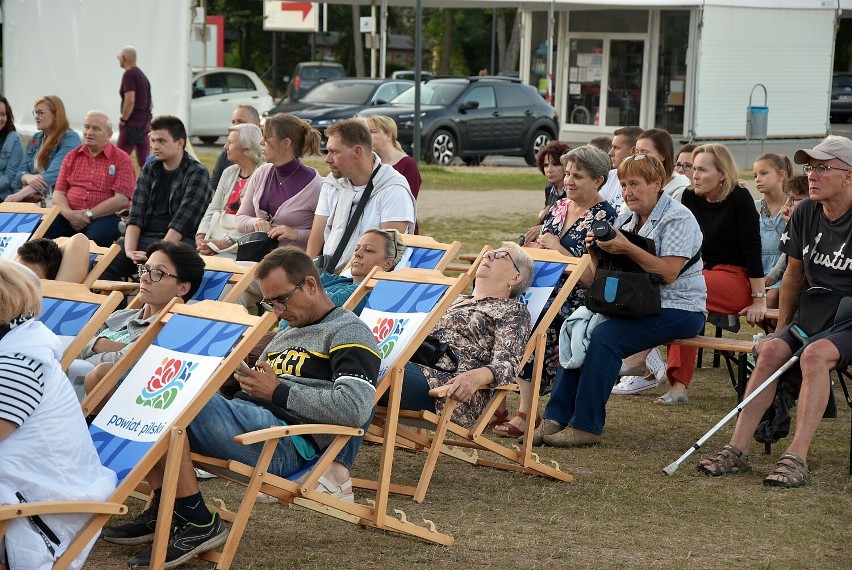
(602, 230)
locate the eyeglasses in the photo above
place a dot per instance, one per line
(500, 254)
(280, 304)
(155, 275)
(39, 113)
(792, 199)
(821, 169)
(687, 166)
(637, 156)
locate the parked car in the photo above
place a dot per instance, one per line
(338, 99)
(216, 92)
(471, 117)
(841, 97)
(307, 74)
(409, 74)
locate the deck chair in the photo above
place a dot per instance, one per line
(99, 259)
(549, 267)
(19, 223)
(219, 273)
(74, 314)
(402, 308)
(421, 252)
(200, 345)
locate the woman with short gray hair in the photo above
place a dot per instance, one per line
(217, 233)
(564, 230)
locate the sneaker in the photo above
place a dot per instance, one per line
(635, 385)
(188, 541)
(138, 531)
(656, 365)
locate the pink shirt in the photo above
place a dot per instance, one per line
(88, 180)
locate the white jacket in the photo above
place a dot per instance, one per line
(50, 457)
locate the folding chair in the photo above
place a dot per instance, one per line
(549, 267)
(402, 308)
(19, 223)
(174, 368)
(219, 273)
(421, 252)
(74, 314)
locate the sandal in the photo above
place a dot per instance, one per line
(670, 398)
(500, 417)
(793, 470)
(729, 460)
(342, 491)
(506, 429)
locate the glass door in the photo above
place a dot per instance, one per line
(624, 82)
(585, 74)
(671, 81)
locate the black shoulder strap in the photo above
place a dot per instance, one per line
(691, 262)
(353, 221)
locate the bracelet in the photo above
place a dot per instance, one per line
(229, 240)
(122, 120)
(758, 295)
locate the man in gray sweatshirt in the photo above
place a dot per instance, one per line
(321, 369)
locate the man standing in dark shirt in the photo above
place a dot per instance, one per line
(171, 196)
(136, 107)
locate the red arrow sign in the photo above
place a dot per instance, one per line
(304, 7)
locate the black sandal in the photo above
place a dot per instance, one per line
(794, 471)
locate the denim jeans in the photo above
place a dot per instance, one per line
(103, 231)
(415, 391)
(213, 429)
(579, 396)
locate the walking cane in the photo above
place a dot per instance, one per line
(842, 321)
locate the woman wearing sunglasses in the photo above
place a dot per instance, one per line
(486, 331)
(173, 269)
(576, 412)
(45, 151)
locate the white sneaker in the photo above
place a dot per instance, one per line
(656, 365)
(635, 385)
(203, 475)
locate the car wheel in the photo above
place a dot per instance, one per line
(475, 160)
(441, 148)
(540, 139)
(209, 140)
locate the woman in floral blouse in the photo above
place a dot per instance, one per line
(486, 331)
(564, 230)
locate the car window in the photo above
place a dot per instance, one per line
(340, 93)
(841, 81)
(210, 84)
(482, 94)
(432, 93)
(239, 82)
(510, 95)
(330, 72)
(386, 92)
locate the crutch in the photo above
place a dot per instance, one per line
(842, 321)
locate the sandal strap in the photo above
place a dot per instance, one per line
(792, 468)
(730, 459)
(798, 462)
(520, 414)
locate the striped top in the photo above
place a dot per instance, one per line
(21, 388)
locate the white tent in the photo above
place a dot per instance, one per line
(69, 47)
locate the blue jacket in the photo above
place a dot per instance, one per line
(70, 141)
(11, 157)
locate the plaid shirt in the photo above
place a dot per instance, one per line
(88, 180)
(188, 198)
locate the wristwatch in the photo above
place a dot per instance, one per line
(758, 295)
(229, 240)
(90, 215)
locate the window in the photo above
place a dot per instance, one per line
(239, 82)
(484, 95)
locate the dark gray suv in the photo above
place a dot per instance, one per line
(472, 117)
(310, 73)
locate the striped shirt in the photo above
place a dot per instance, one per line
(21, 388)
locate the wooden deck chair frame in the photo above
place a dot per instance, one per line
(520, 459)
(78, 293)
(375, 514)
(422, 242)
(99, 257)
(168, 445)
(48, 215)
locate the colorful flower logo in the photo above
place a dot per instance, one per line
(164, 386)
(387, 332)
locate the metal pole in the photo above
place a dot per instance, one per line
(493, 69)
(373, 50)
(549, 71)
(383, 47)
(418, 66)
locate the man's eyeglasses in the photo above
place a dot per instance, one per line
(39, 113)
(821, 169)
(500, 254)
(686, 166)
(637, 156)
(280, 304)
(155, 275)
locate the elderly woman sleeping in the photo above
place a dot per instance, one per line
(487, 332)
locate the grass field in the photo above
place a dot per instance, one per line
(621, 511)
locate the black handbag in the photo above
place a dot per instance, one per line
(253, 246)
(431, 351)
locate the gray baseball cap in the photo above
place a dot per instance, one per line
(832, 147)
